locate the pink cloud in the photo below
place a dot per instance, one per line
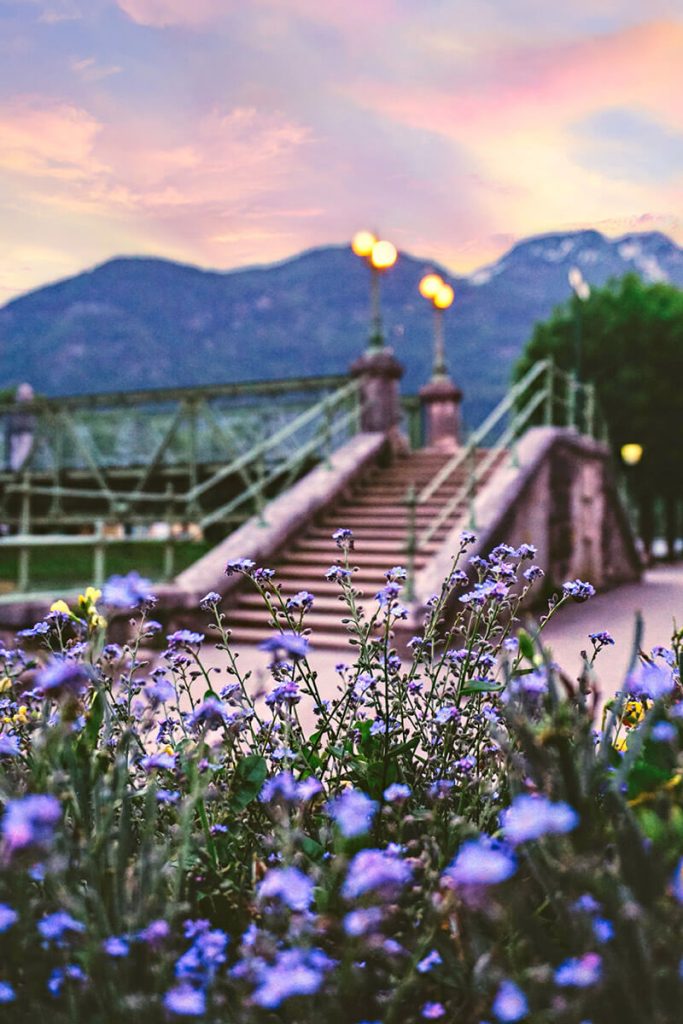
(47, 139)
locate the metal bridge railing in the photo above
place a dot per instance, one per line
(141, 455)
(546, 393)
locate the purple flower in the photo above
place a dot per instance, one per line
(128, 591)
(161, 760)
(159, 691)
(244, 565)
(360, 922)
(467, 538)
(39, 629)
(432, 959)
(167, 796)
(7, 993)
(337, 574)
(288, 885)
(210, 601)
(205, 955)
(30, 821)
(185, 1001)
(677, 882)
(53, 927)
(184, 638)
(664, 732)
(525, 552)
(578, 590)
(530, 817)
(211, 712)
(155, 933)
(353, 812)
(302, 600)
(343, 539)
(288, 694)
(388, 595)
(62, 678)
(433, 1011)
(289, 645)
(286, 788)
(295, 972)
(533, 573)
(372, 871)
(116, 947)
(579, 972)
(510, 1004)
(72, 972)
(8, 917)
(396, 792)
(603, 929)
(651, 681)
(478, 862)
(602, 638)
(9, 745)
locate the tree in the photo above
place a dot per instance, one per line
(629, 343)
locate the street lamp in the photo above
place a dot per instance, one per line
(582, 291)
(631, 453)
(380, 256)
(441, 295)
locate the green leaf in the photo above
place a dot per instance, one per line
(250, 775)
(481, 686)
(526, 644)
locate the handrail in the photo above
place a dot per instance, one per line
(486, 427)
(144, 396)
(478, 468)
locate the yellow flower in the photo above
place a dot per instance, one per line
(91, 596)
(5, 684)
(21, 717)
(60, 606)
(620, 743)
(95, 620)
(634, 712)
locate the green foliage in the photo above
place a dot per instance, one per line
(631, 347)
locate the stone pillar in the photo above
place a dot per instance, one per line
(379, 374)
(441, 400)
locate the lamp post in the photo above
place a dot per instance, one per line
(440, 397)
(380, 256)
(441, 295)
(582, 291)
(631, 455)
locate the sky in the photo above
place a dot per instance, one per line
(231, 132)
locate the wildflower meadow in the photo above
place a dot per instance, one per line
(464, 834)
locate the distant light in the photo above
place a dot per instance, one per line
(631, 453)
(575, 277)
(362, 243)
(444, 297)
(579, 285)
(383, 255)
(430, 285)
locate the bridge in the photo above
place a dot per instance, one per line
(269, 470)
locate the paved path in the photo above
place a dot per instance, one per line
(659, 596)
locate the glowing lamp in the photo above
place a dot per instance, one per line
(429, 285)
(363, 242)
(383, 255)
(444, 297)
(631, 453)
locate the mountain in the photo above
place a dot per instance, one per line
(142, 322)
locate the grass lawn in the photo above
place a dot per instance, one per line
(67, 567)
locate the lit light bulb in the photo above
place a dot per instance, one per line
(430, 285)
(632, 453)
(363, 242)
(444, 297)
(383, 255)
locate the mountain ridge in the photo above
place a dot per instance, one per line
(141, 321)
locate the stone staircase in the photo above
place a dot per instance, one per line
(377, 514)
